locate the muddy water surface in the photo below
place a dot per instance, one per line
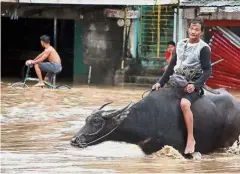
(37, 125)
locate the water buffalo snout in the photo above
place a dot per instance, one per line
(77, 142)
(74, 139)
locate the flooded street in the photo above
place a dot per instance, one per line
(38, 124)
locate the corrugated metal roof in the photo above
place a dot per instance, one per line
(209, 3)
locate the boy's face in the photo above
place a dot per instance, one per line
(171, 48)
(42, 43)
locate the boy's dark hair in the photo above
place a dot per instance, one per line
(45, 38)
(197, 21)
(171, 43)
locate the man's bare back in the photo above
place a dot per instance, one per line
(53, 56)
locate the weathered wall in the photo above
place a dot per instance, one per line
(190, 13)
(102, 46)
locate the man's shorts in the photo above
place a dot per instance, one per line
(50, 68)
(192, 97)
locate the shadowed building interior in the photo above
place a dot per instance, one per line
(21, 41)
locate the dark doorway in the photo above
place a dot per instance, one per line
(20, 41)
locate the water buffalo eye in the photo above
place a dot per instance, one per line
(96, 121)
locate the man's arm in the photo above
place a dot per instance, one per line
(169, 71)
(205, 59)
(42, 58)
(40, 55)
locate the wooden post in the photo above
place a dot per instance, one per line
(55, 32)
(124, 37)
(158, 31)
(177, 22)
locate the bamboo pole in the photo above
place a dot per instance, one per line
(55, 32)
(140, 39)
(124, 37)
(158, 31)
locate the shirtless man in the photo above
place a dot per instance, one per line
(52, 67)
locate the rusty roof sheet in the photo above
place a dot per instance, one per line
(209, 3)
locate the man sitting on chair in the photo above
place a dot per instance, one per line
(52, 67)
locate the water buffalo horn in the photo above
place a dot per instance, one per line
(105, 105)
(115, 113)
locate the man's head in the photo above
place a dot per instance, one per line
(196, 29)
(171, 46)
(45, 40)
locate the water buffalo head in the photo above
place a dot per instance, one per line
(99, 125)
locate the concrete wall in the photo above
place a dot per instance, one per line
(79, 68)
(102, 46)
(191, 13)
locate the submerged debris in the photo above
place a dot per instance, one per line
(196, 156)
(234, 149)
(168, 151)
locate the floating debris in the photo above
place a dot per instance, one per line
(168, 151)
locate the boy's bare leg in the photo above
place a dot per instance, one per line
(46, 79)
(39, 75)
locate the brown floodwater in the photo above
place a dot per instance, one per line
(38, 124)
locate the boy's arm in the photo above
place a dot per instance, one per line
(40, 55)
(42, 58)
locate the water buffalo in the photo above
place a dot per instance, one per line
(157, 120)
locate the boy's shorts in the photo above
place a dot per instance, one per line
(51, 68)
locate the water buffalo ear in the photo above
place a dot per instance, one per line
(120, 111)
(119, 118)
(124, 112)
